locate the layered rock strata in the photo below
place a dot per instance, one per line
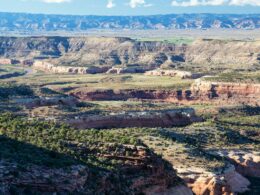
(91, 51)
(51, 68)
(136, 119)
(229, 92)
(200, 91)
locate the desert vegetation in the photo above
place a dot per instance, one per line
(96, 132)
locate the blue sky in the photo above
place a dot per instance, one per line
(129, 7)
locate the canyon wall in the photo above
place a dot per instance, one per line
(230, 92)
(87, 51)
(200, 91)
(125, 94)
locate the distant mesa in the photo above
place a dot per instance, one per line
(92, 55)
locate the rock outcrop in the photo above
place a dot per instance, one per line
(173, 73)
(166, 118)
(130, 70)
(246, 162)
(51, 68)
(228, 92)
(6, 61)
(230, 182)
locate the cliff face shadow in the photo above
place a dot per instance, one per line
(28, 169)
(27, 154)
(10, 89)
(233, 136)
(10, 75)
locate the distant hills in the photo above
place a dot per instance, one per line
(42, 22)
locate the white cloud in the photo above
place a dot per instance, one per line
(245, 2)
(189, 3)
(198, 3)
(110, 4)
(137, 3)
(56, 1)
